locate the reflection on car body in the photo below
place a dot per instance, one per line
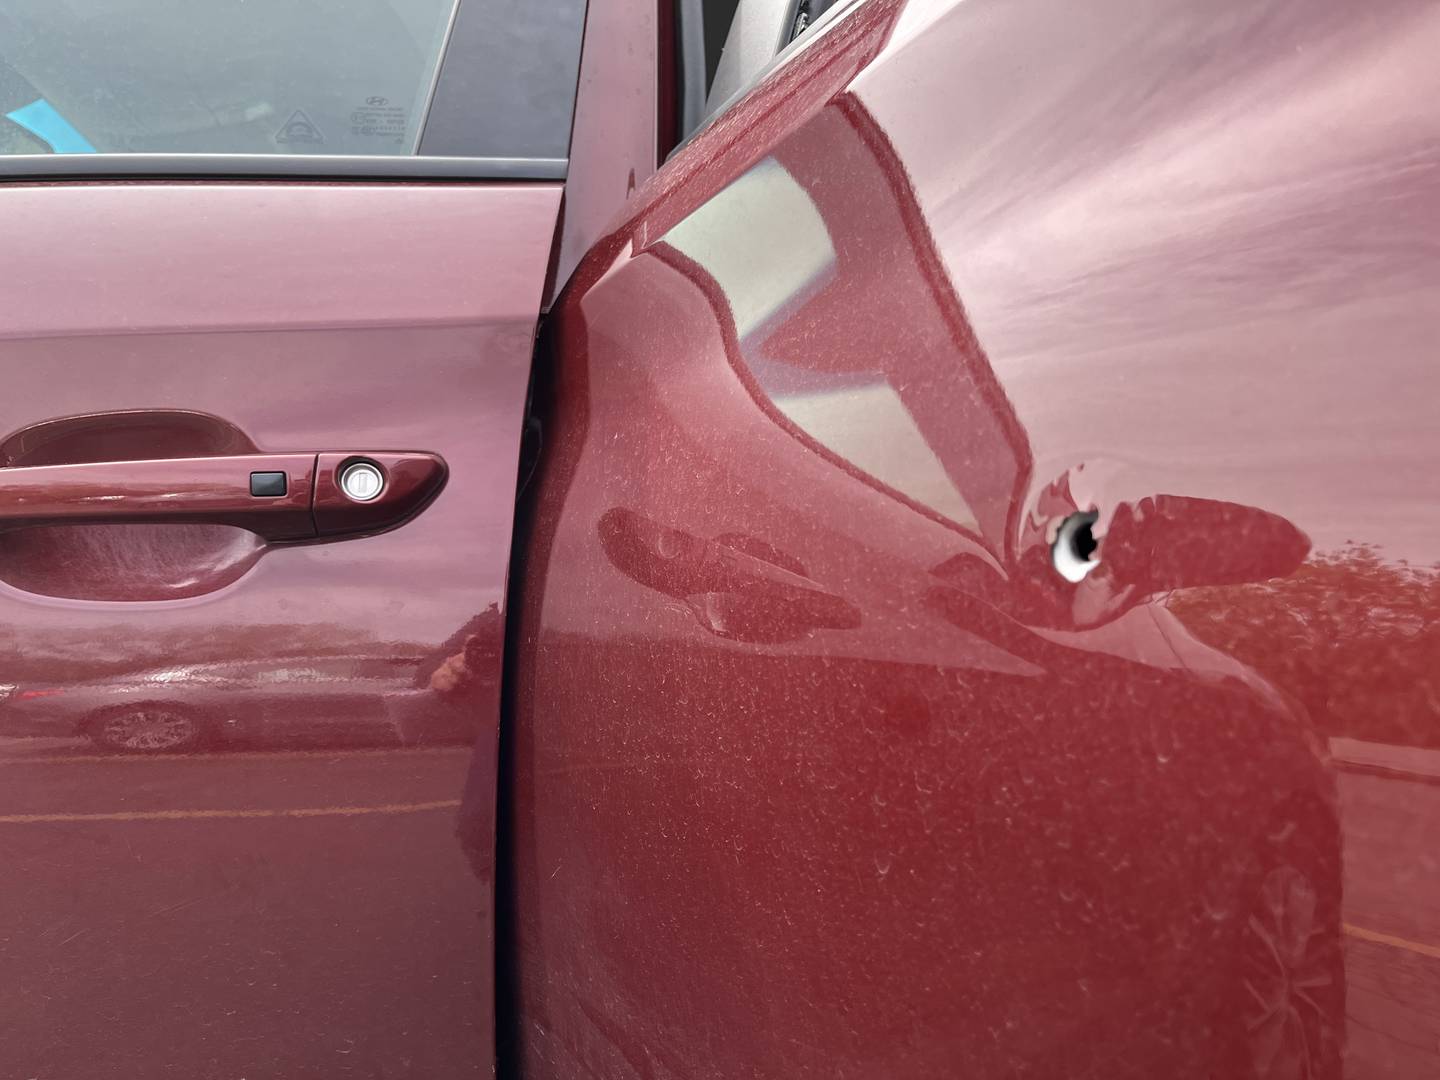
(972, 609)
(1128, 839)
(315, 700)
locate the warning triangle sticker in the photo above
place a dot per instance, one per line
(299, 129)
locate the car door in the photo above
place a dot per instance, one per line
(269, 285)
(830, 751)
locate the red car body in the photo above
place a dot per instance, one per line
(799, 751)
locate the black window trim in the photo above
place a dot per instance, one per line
(690, 54)
(434, 86)
(830, 18)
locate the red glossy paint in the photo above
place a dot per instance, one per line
(120, 435)
(179, 490)
(410, 481)
(618, 124)
(817, 766)
(270, 882)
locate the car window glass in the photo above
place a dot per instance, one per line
(719, 15)
(755, 34)
(346, 77)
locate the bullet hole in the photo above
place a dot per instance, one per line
(1075, 549)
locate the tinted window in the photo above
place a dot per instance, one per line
(718, 15)
(507, 86)
(352, 77)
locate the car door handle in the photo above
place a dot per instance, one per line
(277, 496)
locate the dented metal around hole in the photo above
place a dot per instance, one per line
(1075, 551)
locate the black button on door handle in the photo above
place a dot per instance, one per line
(267, 484)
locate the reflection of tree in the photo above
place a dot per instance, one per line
(1352, 637)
